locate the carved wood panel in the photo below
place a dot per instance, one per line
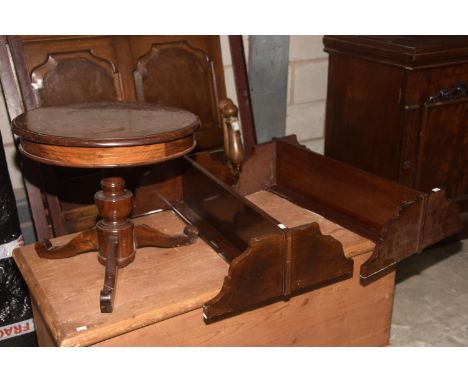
(177, 74)
(443, 145)
(72, 77)
(194, 80)
(361, 100)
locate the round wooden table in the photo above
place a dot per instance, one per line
(108, 135)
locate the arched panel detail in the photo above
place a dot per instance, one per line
(72, 77)
(177, 74)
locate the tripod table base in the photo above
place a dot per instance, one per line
(115, 237)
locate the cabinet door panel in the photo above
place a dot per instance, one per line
(443, 148)
(363, 117)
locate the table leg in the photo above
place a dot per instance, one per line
(84, 242)
(115, 237)
(146, 236)
(106, 299)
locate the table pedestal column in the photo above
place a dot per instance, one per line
(114, 204)
(115, 233)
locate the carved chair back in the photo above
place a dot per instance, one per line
(181, 71)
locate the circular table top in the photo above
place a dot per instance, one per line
(110, 124)
(109, 134)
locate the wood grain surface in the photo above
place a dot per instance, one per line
(160, 296)
(415, 89)
(391, 215)
(106, 134)
(159, 284)
(402, 51)
(292, 216)
(342, 314)
(105, 124)
(97, 157)
(63, 70)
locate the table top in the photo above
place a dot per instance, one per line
(105, 134)
(109, 124)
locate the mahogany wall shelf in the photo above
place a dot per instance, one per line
(399, 220)
(266, 259)
(269, 261)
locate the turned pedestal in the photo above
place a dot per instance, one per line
(108, 135)
(115, 233)
(115, 230)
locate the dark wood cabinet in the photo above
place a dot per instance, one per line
(397, 106)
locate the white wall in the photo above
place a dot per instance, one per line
(307, 90)
(307, 83)
(307, 87)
